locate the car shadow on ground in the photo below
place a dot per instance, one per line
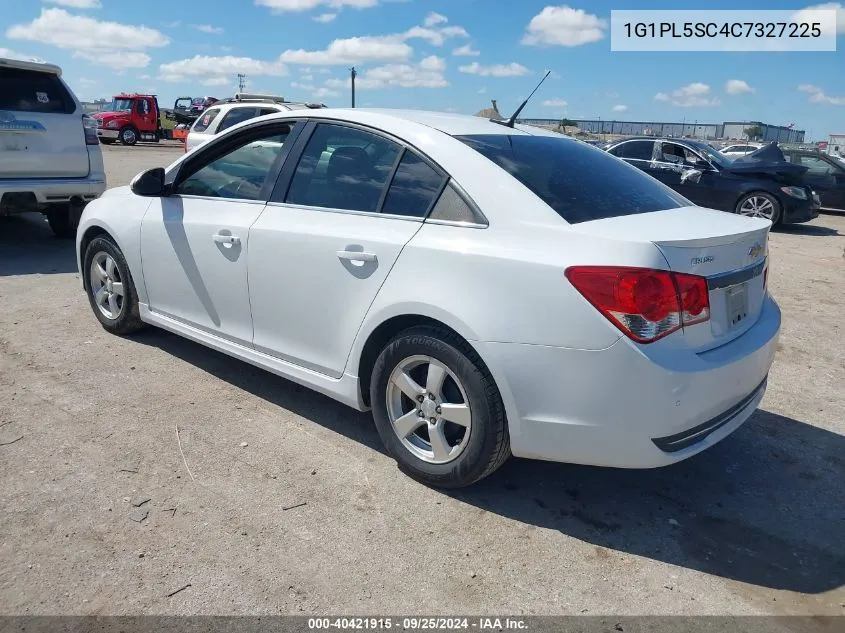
(806, 229)
(766, 506)
(28, 246)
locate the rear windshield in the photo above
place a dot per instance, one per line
(32, 91)
(575, 179)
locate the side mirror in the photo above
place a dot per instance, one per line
(149, 183)
(691, 175)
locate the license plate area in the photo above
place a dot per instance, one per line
(736, 300)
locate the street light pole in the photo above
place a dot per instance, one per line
(354, 74)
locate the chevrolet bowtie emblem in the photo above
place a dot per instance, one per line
(755, 251)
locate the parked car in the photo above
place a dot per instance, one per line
(825, 174)
(741, 149)
(761, 184)
(50, 157)
(484, 289)
(227, 113)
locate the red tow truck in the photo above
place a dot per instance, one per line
(131, 118)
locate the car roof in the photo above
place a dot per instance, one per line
(446, 122)
(32, 64)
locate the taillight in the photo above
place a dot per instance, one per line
(645, 304)
(89, 126)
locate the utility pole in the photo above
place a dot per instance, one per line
(353, 73)
(241, 82)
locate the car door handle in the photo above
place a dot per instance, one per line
(226, 239)
(356, 256)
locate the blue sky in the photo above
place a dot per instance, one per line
(435, 54)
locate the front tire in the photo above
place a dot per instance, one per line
(759, 204)
(437, 409)
(128, 135)
(109, 286)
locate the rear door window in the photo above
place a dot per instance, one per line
(202, 123)
(235, 116)
(636, 150)
(414, 188)
(578, 181)
(32, 91)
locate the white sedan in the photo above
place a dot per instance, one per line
(486, 290)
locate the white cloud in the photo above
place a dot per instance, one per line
(216, 81)
(77, 4)
(466, 51)
(497, 70)
(207, 28)
(805, 16)
(620, 108)
(100, 42)
(817, 95)
(352, 50)
(554, 103)
(307, 77)
(692, 95)
(428, 73)
(324, 18)
(280, 6)
(433, 19)
(220, 70)
(564, 26)
(737, 87)
(482, 91)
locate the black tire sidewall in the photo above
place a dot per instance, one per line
(473, 461)
(777, 205)
(128, 317)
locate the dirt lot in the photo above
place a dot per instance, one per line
(89, 430)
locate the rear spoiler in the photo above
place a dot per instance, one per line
(32, 64)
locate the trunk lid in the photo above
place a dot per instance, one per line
(41, 129)
(729, 250)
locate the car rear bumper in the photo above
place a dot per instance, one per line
(55, 190)
(617, 407)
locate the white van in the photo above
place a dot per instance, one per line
(50, 157)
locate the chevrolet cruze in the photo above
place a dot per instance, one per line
(485, 289)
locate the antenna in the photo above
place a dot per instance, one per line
(353, 74)
(512, 121)
(241, 82)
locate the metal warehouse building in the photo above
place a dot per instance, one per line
(726, 130)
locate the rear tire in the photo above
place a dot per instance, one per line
(470, 440)
(759, 204)
(63, 220)
(128, 135)
(109, 286)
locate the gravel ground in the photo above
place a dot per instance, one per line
(291, 507)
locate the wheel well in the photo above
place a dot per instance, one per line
(90, 234)
(379, 339)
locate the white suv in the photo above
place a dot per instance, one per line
(242, 107)
(50, 157)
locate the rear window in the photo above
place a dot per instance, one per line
(578, 181)
(205, 119)
(32, 91)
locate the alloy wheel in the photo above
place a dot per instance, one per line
(428, 409)
(758, 207)
(106, 285)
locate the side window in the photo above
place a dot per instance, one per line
(143, 107)
(414, 187)
(343, 168)
(451, 207)
(816, 165)
(679, 155)
(265, 111)
(637, 150)
(239, 174)
(202, 123)
(235, 116)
